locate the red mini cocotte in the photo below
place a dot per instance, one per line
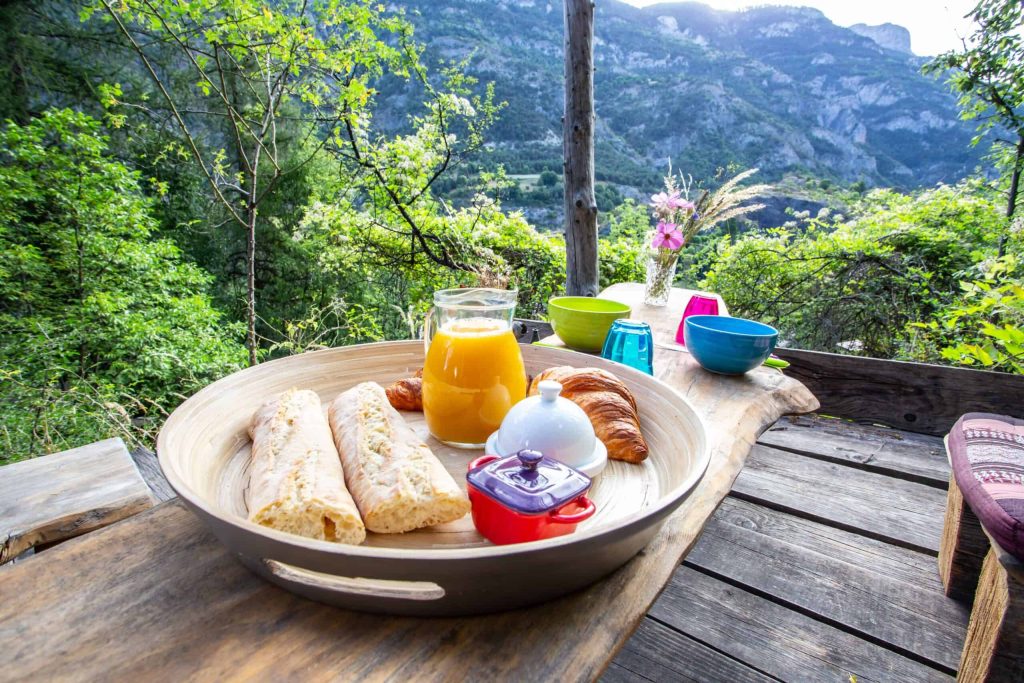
(526, 497)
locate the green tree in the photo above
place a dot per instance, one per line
(98, 316)
(398, 173)
(255, 69)
(988, 73)
(548, 178)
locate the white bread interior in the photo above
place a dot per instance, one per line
(397, 482)
(296, 483)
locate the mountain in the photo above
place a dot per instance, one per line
(889, 36)
(780, 88)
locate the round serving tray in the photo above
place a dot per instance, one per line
(444, 570)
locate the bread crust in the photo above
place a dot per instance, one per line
(296, 482)
(607, 402)
(397, 482)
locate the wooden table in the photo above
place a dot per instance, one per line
(156, 597)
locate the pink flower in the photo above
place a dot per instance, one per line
(670, 202)
(667, 236)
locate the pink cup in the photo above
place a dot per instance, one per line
(697, 305)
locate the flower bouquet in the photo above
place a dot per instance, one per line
(679, 219)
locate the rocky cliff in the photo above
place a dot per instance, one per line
(889, 36)
(780, 88)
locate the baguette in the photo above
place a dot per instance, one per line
(398, 484)
(296, 483)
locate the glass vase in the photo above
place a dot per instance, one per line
(661, 272)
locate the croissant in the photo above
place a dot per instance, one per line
(607, 402)
(406, 394)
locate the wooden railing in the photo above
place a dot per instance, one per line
(915, 397)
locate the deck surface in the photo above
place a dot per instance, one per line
(818, 566)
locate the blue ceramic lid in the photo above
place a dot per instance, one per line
(528, 482)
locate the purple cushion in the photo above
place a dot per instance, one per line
(987, 455)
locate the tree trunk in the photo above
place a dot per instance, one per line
(250, 259)
(578, 148)
(1011, 198)
(1018, 161)
(250, 286)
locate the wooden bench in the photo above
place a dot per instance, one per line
(56, 497)
(994, 647)
(975, 568)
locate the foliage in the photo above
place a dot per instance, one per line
(503, 248)
(982, 326)
(855, 285)
(988, 74)
(256, 68)
(99, 317)
(629, 220)
(397, 174)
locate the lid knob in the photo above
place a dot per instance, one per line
(549, 390)
(530, 459)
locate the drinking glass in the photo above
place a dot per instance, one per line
(697, 305)
(631, 343)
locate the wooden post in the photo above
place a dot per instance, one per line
(994, 648)
(962, 549)
(578, 148)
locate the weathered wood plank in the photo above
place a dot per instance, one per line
(659, 653)
(847, 592)
(616, 673)
(915, 457)
(62, 495)
(994, 649)
(911, 396)
(149, 468)
(900, 564)
(962, 548)
(892, 510)
(158, 596)
(774, 639)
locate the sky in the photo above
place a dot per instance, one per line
(935, 25)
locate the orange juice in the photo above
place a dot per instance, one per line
(473, 374)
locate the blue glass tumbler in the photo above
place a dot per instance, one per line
(630, 342)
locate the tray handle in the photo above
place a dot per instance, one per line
(378, 588)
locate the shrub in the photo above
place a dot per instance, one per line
(103, 324)
(855, 285)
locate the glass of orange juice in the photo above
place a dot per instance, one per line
(474, 371)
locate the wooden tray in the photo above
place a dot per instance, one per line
(447, 569)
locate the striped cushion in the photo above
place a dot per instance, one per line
(987, 455)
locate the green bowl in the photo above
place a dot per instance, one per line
(582, 322)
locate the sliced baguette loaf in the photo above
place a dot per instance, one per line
(397, 482)
(296, 483)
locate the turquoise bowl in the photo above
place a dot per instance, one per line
(729, 346)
